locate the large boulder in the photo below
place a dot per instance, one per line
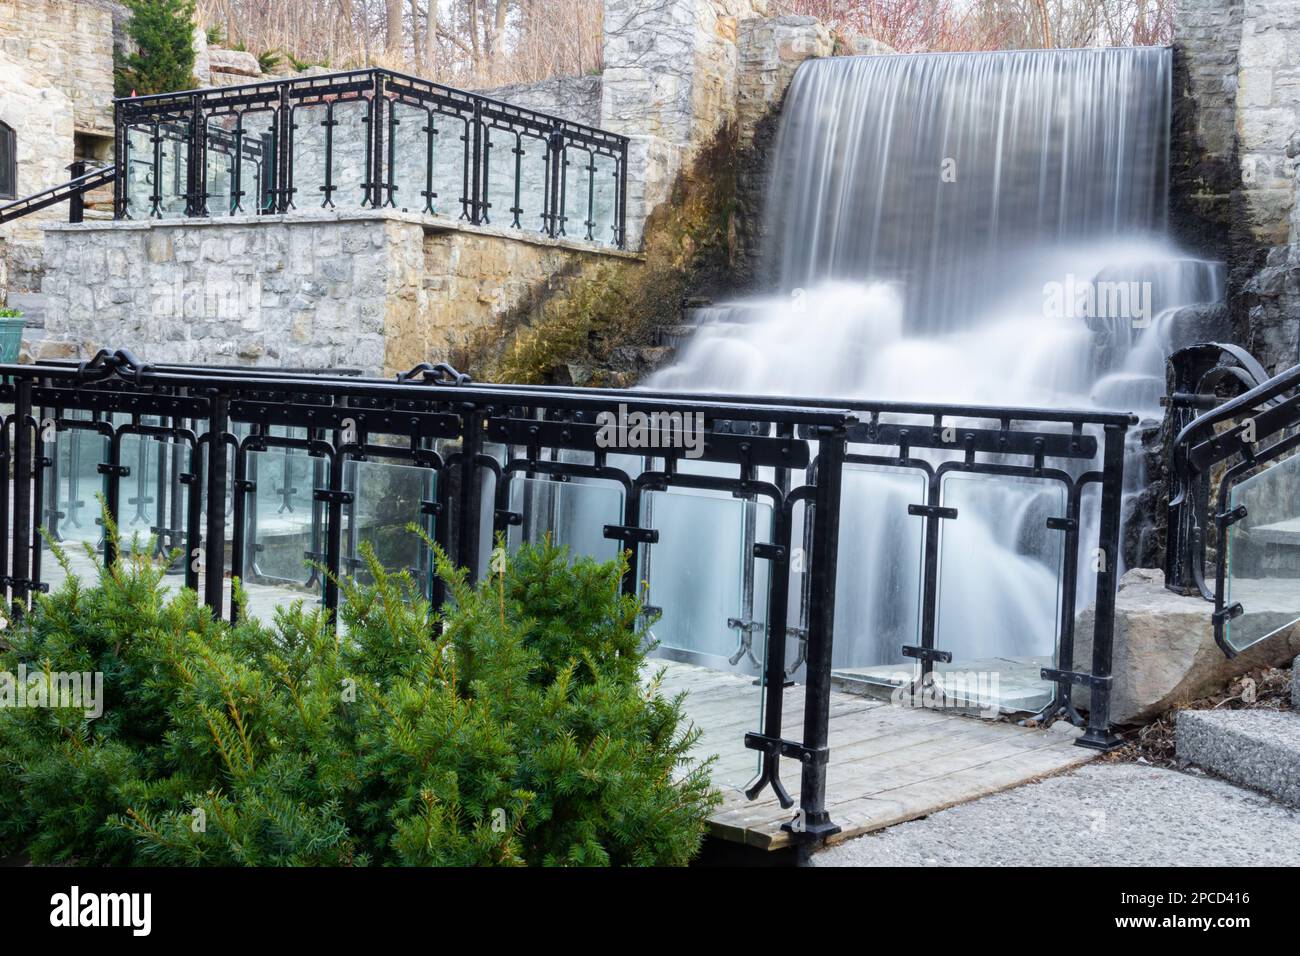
(1164, 650)
(237, 62)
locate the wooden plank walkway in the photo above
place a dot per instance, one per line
(888, 763)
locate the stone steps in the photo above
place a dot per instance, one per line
(1258, 749)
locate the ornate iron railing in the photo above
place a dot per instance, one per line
(1236, 485)
(371, 139)
(313, 452)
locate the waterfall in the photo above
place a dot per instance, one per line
(984, 228)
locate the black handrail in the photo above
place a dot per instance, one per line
(1243, 435)
(72, 191)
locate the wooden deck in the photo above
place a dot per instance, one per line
(888, 763)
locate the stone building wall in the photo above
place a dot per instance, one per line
(379, 291)
(769, 52)
(56, 92)
(670, 85)
(69, 42)
(1236, 118)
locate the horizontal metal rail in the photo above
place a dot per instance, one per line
(474, 443)
(70, 192)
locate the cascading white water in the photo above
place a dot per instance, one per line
(978, 228)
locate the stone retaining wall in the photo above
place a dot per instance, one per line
(379, 291)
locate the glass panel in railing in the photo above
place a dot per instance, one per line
(73, 484)
(151, 497)
(387, 497)
(878, 603)
(533, 169)
(140, 173)
(999, 607)
(222, 156)
(285, 526)
(308, 136)
(500, 144)
(604, 222)
(578, 187)
(349, 153)
(258, 158)
(409, 125)
(1263, 560)
(173, 167)
(449, 152)
(711, 595)
(572, 513)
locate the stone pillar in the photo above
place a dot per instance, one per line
(670, 85)
(1236, 114)
(769, 53)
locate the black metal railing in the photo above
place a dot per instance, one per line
(72, 192)
(371, 139)
(471, 461)
(1235, 428)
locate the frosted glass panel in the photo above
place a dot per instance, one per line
(1000, 586)
(1263, 560)
(573, 513)
(878, 602)
(713, 596)
(696, 572)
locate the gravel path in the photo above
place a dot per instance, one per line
(1104, 814)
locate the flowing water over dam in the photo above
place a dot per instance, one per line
(978, 228)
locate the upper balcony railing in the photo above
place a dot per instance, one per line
(368, 139)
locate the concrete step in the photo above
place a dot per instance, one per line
(1258, 749)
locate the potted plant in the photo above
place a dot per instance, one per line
(11, 334)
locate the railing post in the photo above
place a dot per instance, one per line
(77, 201)
(215, 543)
(283, 157)
(1098, 735)
(196, 200)
(621, 199)
(121, 155)
(22, 529)
(555, 156)
(814, 823)
(468, 498)
(378, 168)
(476, 161)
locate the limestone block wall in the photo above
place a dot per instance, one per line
(378, 291)
(769, 52)
(42, 119)
(70, 42)
(1233, 196)
(670, 85)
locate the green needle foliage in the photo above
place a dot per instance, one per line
(162, 33)
(514, 727)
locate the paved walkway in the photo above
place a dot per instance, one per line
(1103, 814)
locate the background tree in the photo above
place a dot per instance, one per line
(162, 35)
